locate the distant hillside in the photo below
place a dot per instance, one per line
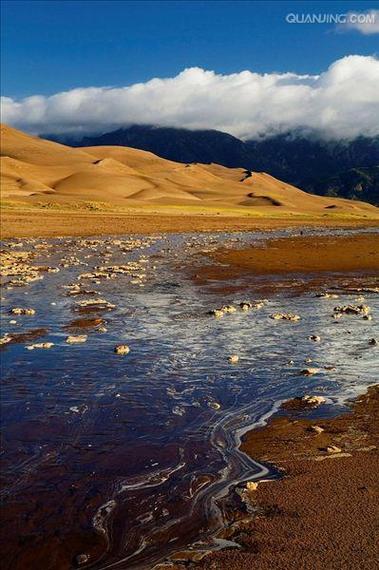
(180, 145)
(334, 168)
(47, 174)
(356, 183)
(337, 168)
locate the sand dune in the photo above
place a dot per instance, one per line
(40, 171)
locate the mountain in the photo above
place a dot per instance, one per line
(303, 161)
(321, 167)
(354, 183)
(46, 173)
(181, 145)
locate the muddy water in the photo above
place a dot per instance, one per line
(119, 461)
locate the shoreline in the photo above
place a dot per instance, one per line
(324, 507)
(296, 255)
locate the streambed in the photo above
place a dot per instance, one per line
(119, 461)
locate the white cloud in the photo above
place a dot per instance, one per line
(366, 23)
(341, 102)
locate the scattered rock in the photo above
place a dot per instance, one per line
(95, 304)
(218, 313)
(373, 342)
(304, 402)
(314, 337)
(40, 345)
(233, 359)
(81, 559)
(228, 309)
(248, 305)
(285, 317)
(352, 310)
(313, 401)
(333, 449)
(76, 339)
(122, 349)
(367, 317)
(221, 311)
(327, 295)
(23, 311)
(317, 429)
(251, 486)
(309, 371)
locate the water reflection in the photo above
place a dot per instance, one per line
(124, 458)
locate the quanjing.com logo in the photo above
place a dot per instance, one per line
(327, 18)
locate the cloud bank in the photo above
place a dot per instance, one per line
(342, 102)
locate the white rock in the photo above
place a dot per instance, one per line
(313, 400)
(317, 429)
(40, 345)
(214, 405)
(333, 449)
(285, 317)
(76, 339)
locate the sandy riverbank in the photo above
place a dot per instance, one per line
(300, 254)
(323, 514)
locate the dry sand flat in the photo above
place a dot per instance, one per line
(119, 182)
(21, 220)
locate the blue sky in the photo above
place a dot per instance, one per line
(58, 45)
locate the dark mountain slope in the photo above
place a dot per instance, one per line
(180, 145)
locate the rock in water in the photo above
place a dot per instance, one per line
(309, 371)
(233, 359)
(40, 345)
(122, 349)
(21, 311)
(216, 313)
(352, 310)
(313, 401)
(76, 339)
(314, 337)
(81, 559)
(285, 317)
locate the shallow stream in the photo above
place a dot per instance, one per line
(124, 458)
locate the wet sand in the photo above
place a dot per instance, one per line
(299, 254)
(48, 223)
(323, 514)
